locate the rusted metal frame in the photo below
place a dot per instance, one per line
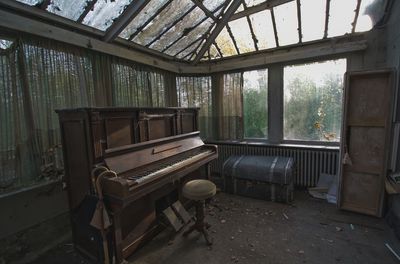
(130, 12)
(139, 30)
(187, 32)
(299, 29)
(219, 26)
(328, 6)
(258, 8)
(228, 28)
(208, 13)
(357, 12)
(89, 6)
(274, 26)
(44, 4)
(171, 26)
(253, 35)
(218, 49)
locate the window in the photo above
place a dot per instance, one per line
(313, 101)
(255, 103)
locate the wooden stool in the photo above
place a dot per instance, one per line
(199, 191)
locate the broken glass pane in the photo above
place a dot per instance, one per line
(286, 23)
(341, 16)
(105, 12)
(371, 11)
(240, 8)
(164, 20)
(147, 12)
(182, 28)
(242, 34)
(192, 36)
(30, 2)
(253, 2)
(70, 9)
(214, 54)
(225, 43)
(263, 29)
(312, 19)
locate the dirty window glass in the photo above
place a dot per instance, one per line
(193, 47)
(313, 101)
(242, 34)
(312, 19)
(263, 29)
(182, 27)
(192, 36)
(168, 16)
(341, 15)
(70, 9)
(253, 2)
(211, 5)
(147, 12)
(5, 44)
(286, 23)
(225, 43)
(214, 54)
(30, 2)
(104, 13)
(371, 12)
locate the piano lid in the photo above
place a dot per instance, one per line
(127, 158)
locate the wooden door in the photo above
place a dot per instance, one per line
(365, 140)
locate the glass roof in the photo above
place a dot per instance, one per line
(180, 28)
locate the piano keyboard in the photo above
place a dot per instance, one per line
(142, 179)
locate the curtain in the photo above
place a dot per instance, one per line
(135, 85)
(196, 92)
(230, 118)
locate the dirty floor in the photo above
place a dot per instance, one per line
(252, 231)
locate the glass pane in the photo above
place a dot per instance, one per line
(190, 50)
(5, 44)
(70, 9)
(147, 12)
(312, 19)
(313, 100)
(104, 13)
(182, 27)
(225, 43)
(341, 15)
(253, 2)
(255, 104)
(371, 12)
(214, 52)
(168, 16)
(211, 5)
(242, 34)
(286, 23)
(30, 2)
(263, 29)
(193, 35)
(240, 8)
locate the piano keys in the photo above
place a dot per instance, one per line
(153, 152)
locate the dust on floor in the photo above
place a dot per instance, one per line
(253, 231)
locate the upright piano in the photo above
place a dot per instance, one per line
(153, 152)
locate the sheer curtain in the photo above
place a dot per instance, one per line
(196, 92)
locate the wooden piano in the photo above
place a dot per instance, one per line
(153, 151)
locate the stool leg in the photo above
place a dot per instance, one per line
(200, 225)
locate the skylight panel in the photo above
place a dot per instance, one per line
(240, 8)
(371, 12)
(30, 2)
(312, 19)
(253, 2)
(147, 12)
(225, 43)
(341, 16)
(183, 27)
(69, 9)
(105, 12)
(164, 20)
(184, 54)
(242, 34)
(286, 23)
(212, 4)
(214, 54)
(192, 36)
(263, 29)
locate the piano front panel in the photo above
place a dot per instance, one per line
(119, 131)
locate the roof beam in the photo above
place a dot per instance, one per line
(124, 19)
(205, 10)
(89, 6)
(44, 4)
(299, 29)
(257, 8)
(327, 8)
(357, 12)
(220, 25)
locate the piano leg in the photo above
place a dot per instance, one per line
(118, 238)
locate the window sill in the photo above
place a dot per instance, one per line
(285, 144)
(31, 187)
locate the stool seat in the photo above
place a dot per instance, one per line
(198, 190)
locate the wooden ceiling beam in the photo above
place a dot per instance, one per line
(258, 8)
(220, 25)
(200, 5)
(124, 19)
(89, 6)
(44, 4)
